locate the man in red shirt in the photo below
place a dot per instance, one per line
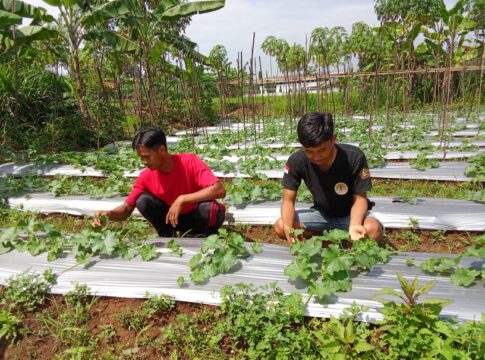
(176, 193)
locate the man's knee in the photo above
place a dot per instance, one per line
(143, 202)
(374, 228)
(149, 205)
(211, 215)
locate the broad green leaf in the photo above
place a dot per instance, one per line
(8, 235)
(464, 277)
(338, 281)
(55, 3)
(210, 270)
(54, 254)
(335, 260)
(310, 247)
(111, 242)
(180, 281)
(195, 261)
(108, 10)
(36, 245)
(319, 290)
(113, 39)
(256, 247)
(446, 264)
(191, 8)
(336, 235)
(197, 275)
(227, 262)
(256, 194)
(35, 33)
(148, 252)
(300, 267)
(8, 19)
(23, 9)
(362, 260)
(175, 247)
(475, 251)
(211, 242)
(83, 258)
(5, 248)
(128, 251)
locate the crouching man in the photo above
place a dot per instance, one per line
(175, 193)
(338, 178)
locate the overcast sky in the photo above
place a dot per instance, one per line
(292, 20)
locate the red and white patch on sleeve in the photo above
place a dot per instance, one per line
(364, 173)
(287, 169)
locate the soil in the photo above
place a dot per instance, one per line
(38, 344)
(442, 242)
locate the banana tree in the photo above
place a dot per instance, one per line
(155, 30)
(12, 14)
(13, 38)
(79, 21)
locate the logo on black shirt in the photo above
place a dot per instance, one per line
(341, 188)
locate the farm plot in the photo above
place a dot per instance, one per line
(126, 261)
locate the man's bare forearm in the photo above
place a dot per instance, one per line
(358, 211)
(119, 213)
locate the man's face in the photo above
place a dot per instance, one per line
(151, 158)
(321, 155)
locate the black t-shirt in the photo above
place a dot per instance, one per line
(333, 189)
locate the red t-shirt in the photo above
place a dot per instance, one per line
(189, 174)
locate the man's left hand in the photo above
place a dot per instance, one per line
(357, 232)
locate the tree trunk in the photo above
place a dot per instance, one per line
(80, 89)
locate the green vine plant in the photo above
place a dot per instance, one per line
(422, 162)
(476, 169)
(327, 270)
(38, 237)
(451, 266)
(219, 254)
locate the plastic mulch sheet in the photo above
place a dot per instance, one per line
(447, 171)
(428, 213)
(133, 278)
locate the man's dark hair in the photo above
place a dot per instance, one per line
(314, 128)
(150, 137)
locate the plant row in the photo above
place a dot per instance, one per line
(253, 323)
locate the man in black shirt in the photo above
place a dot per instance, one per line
(338, 177)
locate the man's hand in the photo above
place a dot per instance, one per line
(97, 221)
(174, 212)
(292, 235)
(357, 232)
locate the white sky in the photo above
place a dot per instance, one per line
(292, 20)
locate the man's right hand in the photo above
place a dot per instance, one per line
(97, 221)
(291, 237)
